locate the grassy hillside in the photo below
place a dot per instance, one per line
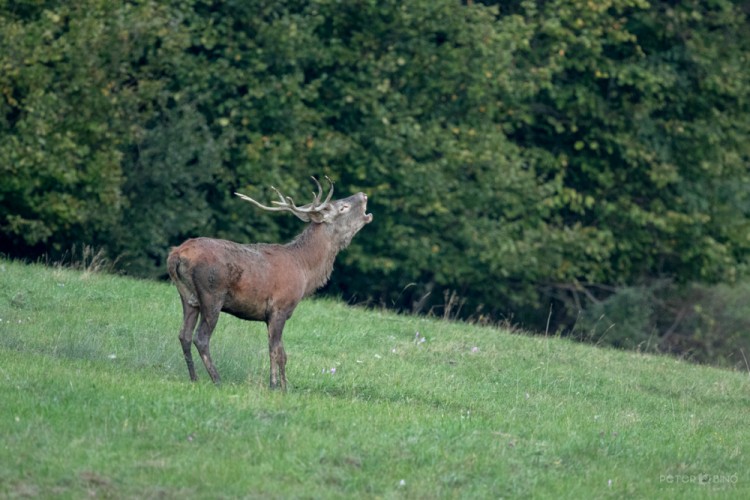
(95, 400)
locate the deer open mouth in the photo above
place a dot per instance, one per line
(368, 217)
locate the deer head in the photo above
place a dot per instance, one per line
(324, 212)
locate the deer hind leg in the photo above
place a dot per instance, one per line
(209, 318)
(276, 352)
(190, 318)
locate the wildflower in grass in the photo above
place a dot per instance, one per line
(475, 349)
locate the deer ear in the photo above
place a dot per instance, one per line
(328, 213)
(316, 217)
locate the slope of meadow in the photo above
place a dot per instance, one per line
(95, 400)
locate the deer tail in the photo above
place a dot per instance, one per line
(175, 267)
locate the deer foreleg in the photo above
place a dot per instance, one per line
(209, 318)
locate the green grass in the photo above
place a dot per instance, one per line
(95, 400)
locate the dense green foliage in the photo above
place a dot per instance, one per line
(96, 402)
(516, 154)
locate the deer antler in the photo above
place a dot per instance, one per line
(310, 212)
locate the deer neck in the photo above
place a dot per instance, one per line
(315, 251)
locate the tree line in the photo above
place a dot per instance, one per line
(541, 161)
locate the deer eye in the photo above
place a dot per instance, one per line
(343, 208)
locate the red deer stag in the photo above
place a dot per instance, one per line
(261, 282)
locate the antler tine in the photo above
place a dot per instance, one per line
(281, 197)
(260, 205)
(316, 198)
(330, 193)
(316, 201)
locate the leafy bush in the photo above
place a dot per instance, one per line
(624, 319)
(708, 325)
(705, 324)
